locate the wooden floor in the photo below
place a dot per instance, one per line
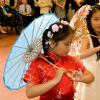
(6, 42)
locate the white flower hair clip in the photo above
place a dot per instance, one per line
(46, 42)
(60, 26)
(64, 22)
(49, 34)
(55, 28)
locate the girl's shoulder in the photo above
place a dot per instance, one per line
(38, 61)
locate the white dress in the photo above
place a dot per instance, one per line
(90, 91)
(85, 91)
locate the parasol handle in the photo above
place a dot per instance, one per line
(77, 38)
(69, 75)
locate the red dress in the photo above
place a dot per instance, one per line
(40, 72)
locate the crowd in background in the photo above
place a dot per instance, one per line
(21, 12)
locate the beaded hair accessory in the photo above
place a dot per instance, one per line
(55, 28)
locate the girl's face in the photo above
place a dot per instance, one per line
(62, 47)
(95, 22)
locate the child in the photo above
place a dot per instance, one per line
(26, 11)
(93, 24)
(91, 43)
(55, 83)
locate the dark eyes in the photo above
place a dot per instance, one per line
(96, 19)
(68, 44)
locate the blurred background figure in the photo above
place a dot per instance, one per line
(60, 9)
(9, 18)
(6, 15)
(26, 12)
(12, 3)
(44, 5)
(87, 23)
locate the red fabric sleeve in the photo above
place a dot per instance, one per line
(33, 74)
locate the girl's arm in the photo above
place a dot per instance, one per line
(33, 90)
(89, 52)
(39, 89)
(85, 51)
(85, 44)
(86, 77)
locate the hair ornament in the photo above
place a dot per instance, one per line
(48, 42)
(64, 22)
(55, 28)
(49, 34)
(60, 26)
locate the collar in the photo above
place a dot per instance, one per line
(54, 57)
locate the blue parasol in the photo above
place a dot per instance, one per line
(26, 48)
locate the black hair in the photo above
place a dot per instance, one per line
(61, 34)
(91, 30)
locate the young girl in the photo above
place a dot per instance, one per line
(93, 24)
(55, 82)
(90, 48)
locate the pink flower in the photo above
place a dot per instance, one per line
(55, 28)
(60, 26)
(49, 34)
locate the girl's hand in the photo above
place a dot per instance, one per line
(78, 75)
(59, 74)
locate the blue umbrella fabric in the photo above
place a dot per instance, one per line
(25, 49)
